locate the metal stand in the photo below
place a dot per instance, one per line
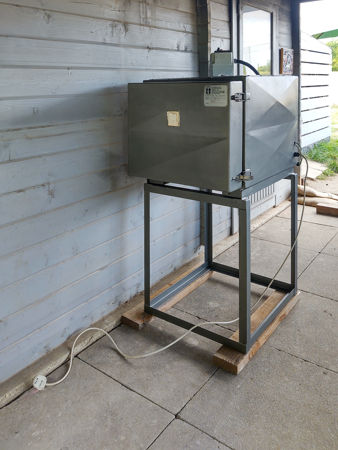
(246, 338)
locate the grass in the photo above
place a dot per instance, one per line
(327, 152)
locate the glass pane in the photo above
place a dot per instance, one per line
(257, 39)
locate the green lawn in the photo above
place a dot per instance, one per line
(327, 152)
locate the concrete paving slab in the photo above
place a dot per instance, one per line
(266, 257)
(217, 299)
(170, 378)
(310, 215)
(311, 331)
(332, 247)
(182, 436)
(277, 402)
(311, 237)
(321, 277)
(87, 411)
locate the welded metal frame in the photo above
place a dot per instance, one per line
(243, 273)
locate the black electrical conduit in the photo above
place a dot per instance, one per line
(244, 63)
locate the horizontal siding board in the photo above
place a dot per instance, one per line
(28, 261)
(49, 140)
(38, 82)
(131, 12)
(24, 174)
(310, 56)
(219, 11)
(315, 80)
(109, 8)
(310, 127)
(315, 91)
(312, 103)
(22, 113)
(315, 114)
(28, 22)
(44, 53)
(37, 200)
(316, 136)
(315, 69)
(309, 43)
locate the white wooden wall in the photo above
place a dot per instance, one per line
(316, 60)
(71, 224)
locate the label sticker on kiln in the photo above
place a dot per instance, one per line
(173, 118)
(215, 95)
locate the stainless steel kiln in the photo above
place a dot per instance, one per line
(222, 133)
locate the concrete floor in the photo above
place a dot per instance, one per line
(286, 398)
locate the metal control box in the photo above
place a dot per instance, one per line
(222, 133)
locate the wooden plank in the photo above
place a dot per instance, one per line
(330, 210)
(125, 283)
(20, 175)
(315, 125)
(312, 103)
(315, 69)
(219, 11)
(314, 80)
(313, 91)
(308, 56)
(38, 112)
(42, 53)
(315, 114)
(181, 18)
(233, 361)
(28, 22)
(40, 199)
(16, 82)
(59, 138)
(315, 136)
(136, 317)
(31, 260)
(38, 228)
(43, 283)
(310, 43)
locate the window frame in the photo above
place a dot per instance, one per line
(259, 4)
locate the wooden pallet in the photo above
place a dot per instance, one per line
(226, 358)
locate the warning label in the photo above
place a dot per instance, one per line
(216, 95)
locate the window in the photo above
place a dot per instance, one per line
(257, 45)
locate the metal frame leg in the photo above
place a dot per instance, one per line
(244, 275)
(208, 251)
(294, 228)
(146, 247)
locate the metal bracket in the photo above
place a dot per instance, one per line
(245, 175)
(240, 96)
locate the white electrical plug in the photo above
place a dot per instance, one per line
(40, 382)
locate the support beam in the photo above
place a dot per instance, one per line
(203, 36)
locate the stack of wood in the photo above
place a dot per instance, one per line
(324, 202)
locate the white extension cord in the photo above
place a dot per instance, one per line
(40, 381)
